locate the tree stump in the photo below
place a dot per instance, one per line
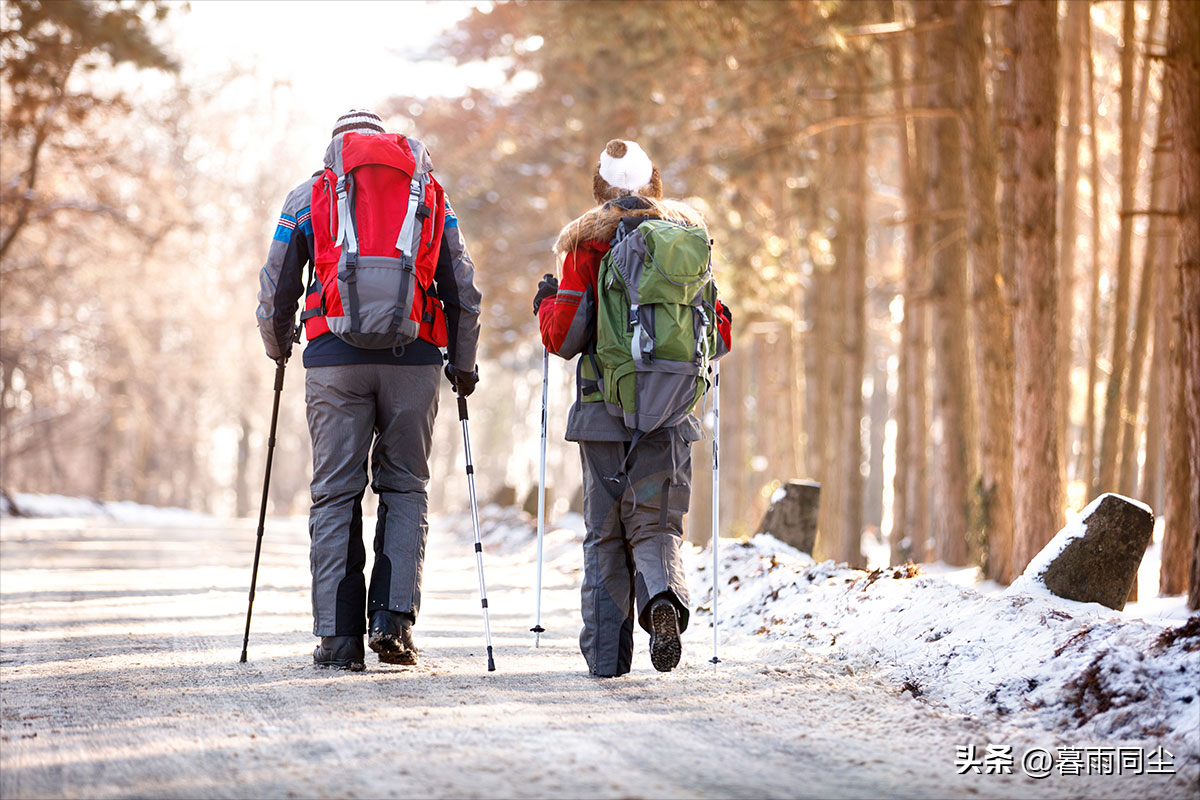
(531, 501)
(505, 496)
(1098, 556)
(792, 517)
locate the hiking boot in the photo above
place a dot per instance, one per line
(390, 635)
(665, 648)
(340, 652)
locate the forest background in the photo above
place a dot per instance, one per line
(960, 238)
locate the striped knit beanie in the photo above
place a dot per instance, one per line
(360, 120)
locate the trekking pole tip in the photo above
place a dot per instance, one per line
(491, 661)
(242, 660)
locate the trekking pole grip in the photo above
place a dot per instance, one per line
(462, 407)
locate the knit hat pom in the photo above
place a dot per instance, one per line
(625, 169)
(358, 120)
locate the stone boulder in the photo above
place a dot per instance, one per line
(792, 516)
(1095, 558)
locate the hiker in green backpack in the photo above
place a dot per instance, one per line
(637, 304)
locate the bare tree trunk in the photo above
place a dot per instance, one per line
(1176, 511)
(948, 292)
(1038, 495)
(878, 414)
(1110, 440)
(243, 504)
(993, 336)
(1088, 455)
(829, 521)
(1141, 331)
(909, 510)
(1068, 210)
(1076, 21)
(1006, 104)
(1166, 323)
(854, 334)
(1183, 71)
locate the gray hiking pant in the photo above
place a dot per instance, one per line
(634, 527)
(385, 412)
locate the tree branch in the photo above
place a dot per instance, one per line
(888, 116)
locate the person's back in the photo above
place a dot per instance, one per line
(636, 483)
(391, 283)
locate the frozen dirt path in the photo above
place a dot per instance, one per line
(119, 678)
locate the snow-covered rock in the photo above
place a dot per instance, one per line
(1095, 557)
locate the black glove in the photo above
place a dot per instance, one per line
(462, 383)
(547, 287)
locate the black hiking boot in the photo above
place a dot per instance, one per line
(340, 652)
(390, 635)
(665, 648)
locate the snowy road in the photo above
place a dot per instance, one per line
(119, 678)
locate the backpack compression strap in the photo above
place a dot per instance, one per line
(409, 239)
(348, 241)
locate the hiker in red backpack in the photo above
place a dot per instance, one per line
(638, 305)
(390, 283)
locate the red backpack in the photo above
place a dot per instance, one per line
(377, 216)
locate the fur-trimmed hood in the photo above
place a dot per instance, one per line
(600, 223)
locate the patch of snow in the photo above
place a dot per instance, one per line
(56, 505)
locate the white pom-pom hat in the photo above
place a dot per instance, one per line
(625, 169)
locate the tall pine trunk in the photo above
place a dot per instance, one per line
(993, 333)
(1176, 511)
(1037, 494)
(854, 335)
(909, 508)
(948, 293)
(1183, 71)
(1141, 331)
(1072, 61)
(1110, 439)
(1088, 456)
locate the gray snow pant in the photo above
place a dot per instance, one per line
(634, 528)
(348, 407)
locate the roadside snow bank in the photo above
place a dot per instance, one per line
(56, 505)
(1031, 659)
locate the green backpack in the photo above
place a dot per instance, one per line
(656, 328)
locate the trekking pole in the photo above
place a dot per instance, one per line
(262, 511)
(487, 628)
(537, 628)
(716, 495)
